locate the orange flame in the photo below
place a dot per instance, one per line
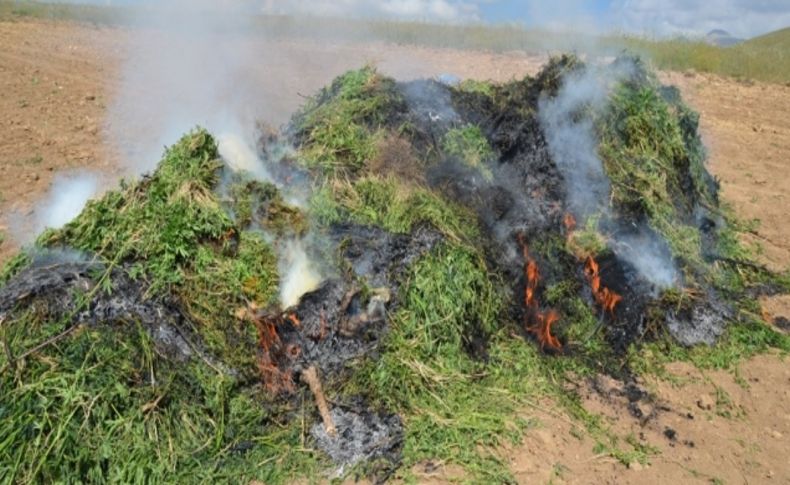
(275, 379)
(535, 321)
(542, 329)
(294, 319)
(605, 297)
(531, 284)
(569, 221)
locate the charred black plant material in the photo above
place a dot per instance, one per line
(338, 322)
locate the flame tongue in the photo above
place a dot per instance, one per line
(537, 322)
(531, 284)
(542, 329)
(606, 298)
(540, 322)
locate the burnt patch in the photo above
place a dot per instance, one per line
(88, 293)
(361, 436)
(341, 321)
(379, 257)
(629, 322)
(671, 435)
(346, 317)
(640, 404)
(702, 321)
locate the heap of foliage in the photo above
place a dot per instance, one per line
(104, 405)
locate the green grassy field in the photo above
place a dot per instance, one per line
(766, 58)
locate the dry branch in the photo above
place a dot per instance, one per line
(310, 377)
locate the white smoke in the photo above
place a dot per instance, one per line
(300, 274)
(201, 63)
(432, 10)
(648, 257)
(571, 137)
(572, 140)
(240, 156)
(65, 199)
(573, 144)
(186, 64)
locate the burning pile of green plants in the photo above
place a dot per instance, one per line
(422, 260)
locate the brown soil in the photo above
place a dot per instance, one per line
(705, 426)
(54, 79)
(746, 127)
(58, 77)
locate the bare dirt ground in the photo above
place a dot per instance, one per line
(54, 82)
(746, 127)
(57, 78)
(706, 427)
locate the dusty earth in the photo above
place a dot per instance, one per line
(705, 427)
(57, 78)
(54, 81)
(746, 127)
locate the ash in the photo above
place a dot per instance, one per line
(704, 323)
(50, 286)
(361, 436)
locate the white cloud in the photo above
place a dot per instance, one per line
(741, 18)
(563, 15)
(436, 10)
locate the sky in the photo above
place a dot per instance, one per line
(741, 18)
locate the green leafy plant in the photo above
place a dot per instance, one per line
(470, 145)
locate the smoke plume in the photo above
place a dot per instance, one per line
(572, 142)
(240, 156)
(185, 65)
(299, 273)
(650, 258)
(567, 123)
(65, 199)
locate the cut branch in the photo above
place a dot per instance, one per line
(310, 377)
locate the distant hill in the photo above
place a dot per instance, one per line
(722, 38)
(776, 40)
